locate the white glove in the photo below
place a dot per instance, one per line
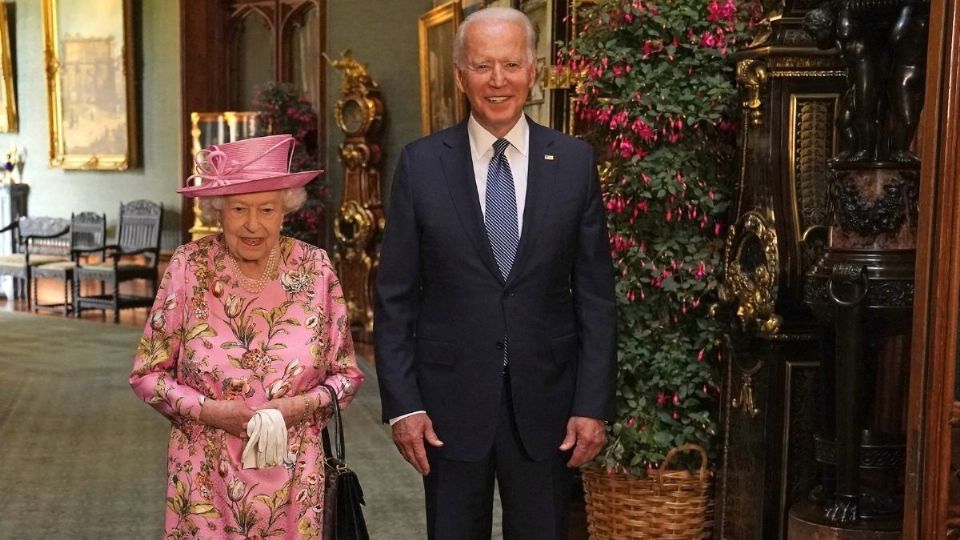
(267, 443)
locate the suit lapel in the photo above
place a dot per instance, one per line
(457, 165)
(540, 171)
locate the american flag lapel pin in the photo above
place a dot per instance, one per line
(548, 157)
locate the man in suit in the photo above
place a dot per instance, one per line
(495, 318)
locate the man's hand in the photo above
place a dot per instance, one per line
(409, 434)
(585, 436)
(230, 416)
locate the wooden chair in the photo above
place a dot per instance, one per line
(36, 241)
(134, 256)
(88, 231)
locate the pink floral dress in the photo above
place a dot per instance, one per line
(208, 338)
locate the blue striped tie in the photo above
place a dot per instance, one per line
(501, 210)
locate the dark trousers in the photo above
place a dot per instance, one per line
(535, 495)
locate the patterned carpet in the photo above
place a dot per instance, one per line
(82, 457)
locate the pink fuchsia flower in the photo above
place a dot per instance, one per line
(699, 274)
(708, 40)
(650, 47)
(644, 131)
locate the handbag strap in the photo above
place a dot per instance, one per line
(340, 451)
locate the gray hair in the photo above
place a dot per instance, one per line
(293, 199)
(494, 15)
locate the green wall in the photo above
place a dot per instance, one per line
(56, 192)
(382, 35)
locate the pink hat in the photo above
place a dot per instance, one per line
(246, 166)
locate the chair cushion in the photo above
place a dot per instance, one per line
(16, 259)
(55, 269)
(19, 260)
(36, 260)
(60, 265)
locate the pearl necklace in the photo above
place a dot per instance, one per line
(255, 285)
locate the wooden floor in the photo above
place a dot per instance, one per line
(50, 291)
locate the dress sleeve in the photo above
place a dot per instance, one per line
(342, 373)
(154, 376)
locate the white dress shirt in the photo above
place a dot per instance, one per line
(481, 152)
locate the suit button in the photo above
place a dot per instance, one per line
(499, 345)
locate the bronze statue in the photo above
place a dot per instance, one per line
(881, 108)
(908, 38)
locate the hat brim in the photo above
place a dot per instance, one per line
(256, 185)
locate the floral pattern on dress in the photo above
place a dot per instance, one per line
(208, 338)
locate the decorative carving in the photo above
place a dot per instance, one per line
(355, 155)
(359, 221)
(872, 456)
(794, 74)
(797, 38)
(813, 127)
(882, 294)
(813, 243)
(885, 214)
(778, 63)
(751, 75)
(355, 77)
(745, 400)
(354, 226)
(752, 272)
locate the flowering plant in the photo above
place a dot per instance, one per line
(656, 97)
(282, 110)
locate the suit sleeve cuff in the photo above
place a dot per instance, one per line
(401, 417)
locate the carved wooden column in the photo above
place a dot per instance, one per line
(358, 226)
(790, 92)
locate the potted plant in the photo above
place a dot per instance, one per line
(656, 96)
(282, 110)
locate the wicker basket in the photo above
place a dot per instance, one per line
(667, 505)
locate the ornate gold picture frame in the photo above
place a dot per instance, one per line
(91, 102)
(441, 104)
(8, 99)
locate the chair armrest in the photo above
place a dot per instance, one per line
(12, 225)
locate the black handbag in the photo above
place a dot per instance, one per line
(343, 497)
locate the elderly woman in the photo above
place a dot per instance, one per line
(246, 321)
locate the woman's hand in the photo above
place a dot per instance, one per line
(230, 416)
(296, 408)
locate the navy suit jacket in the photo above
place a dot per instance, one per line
(443, 310)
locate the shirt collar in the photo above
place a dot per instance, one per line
(481, 140)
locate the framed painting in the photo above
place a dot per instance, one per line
(8, 99)
(441, 104)
(91, 102)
